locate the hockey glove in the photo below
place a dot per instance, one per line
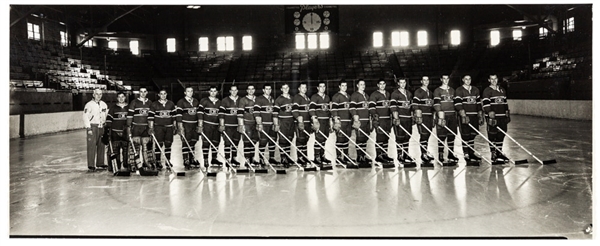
(374, 125)
(337, 124)
(276, 128)
(463, 116)
(480, 118)
(396, 121)
(199, 129)
(241, 129)
(418, 117)
(507, 116)
(355, 122)
(316, 125)
(128, 131)
(105, 136)
(259, 127)
(301, 125)
(492, 119)
(221, 128)
(150, 131)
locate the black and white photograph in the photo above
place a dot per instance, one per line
(340, 120)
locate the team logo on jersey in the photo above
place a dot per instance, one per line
(499, 100)
(346, 105)
(163, 113)
(386, 104)
(428, 102)
(470, 100)
(404, 104)
(269, 109)
(324, 107)
(306, 107)
(121, 115)
(365, 104)
(191, 111)
(250, 110)
(144, 111)
(213, 111)
(232, 111)
(446, 98)
(288, 108)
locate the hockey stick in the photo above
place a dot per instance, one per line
(193, 153)
(410, 135)
(169, 164)
(138, 161)
(552, 161)
(218, 153)
(264, 158)
(323, 147)
(113, 160)
(495, 147)
(445, 145)
(467, 144)
(397, 145)
(237, 150)
(309, 169)
(379, 146)
(342, 152)
(358, 147)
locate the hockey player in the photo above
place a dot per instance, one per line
(497, 115)
(228, 124)
(161, 121)
(300, 111)
(340, 110)
(283, 122)
(360, 120)
(138, 130)
(188, 113)
(116, 122)
(94, 117)
(379, 110)
(263, 113)
(208, 122)
(468, 105)
(401, 104)
(443, 104)
(247, 124)
(319, 110)
(422, 106)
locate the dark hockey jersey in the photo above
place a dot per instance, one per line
(320, 106)
(162, 113)
(229, 111)
(138, 112)
(494, 100)
(188, 111)
(401, 103)
(423, 100)
(301, 107)
(468, 100)
(443, 100)
(246, 109)
(117, 117)
(340, 106)
(210, 114)
(282, 107)
(359, 105)
(379, 103)
(263, 107)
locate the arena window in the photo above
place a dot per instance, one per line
(300, 41)
(543, 32)
(377, 39)
(404, 39)
(203, 44)
(134, 46)
(517, 34)
(324, 40)
(569, 25)
(113, 44)
(63, 38)
(247, 42)
(494, 37)
(229, 43)
(454, 37)
(171, 45)
(395, 39)
(33, 31)
(88, 43)
(312, 41)
(422, 38)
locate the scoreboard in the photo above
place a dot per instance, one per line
(311, 18)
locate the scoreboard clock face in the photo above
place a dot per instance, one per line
(311, 21)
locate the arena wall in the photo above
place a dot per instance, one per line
(36, 124)
(563, 109)
(14, 122)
